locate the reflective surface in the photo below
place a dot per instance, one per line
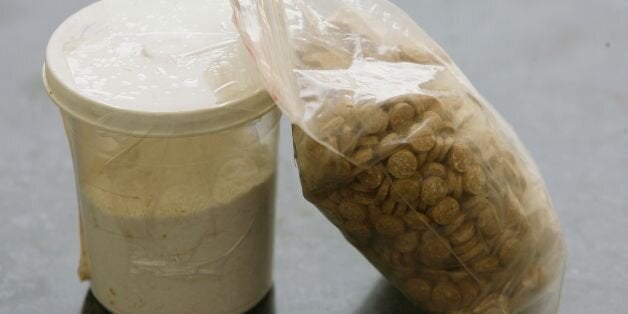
(558, 73)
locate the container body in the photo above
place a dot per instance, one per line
(177, 224)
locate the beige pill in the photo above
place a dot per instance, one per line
(368, 141)
(436, 150)
(388, 144)
(421, 138)
(389, 225)
(416, 220)
(447, 144)
(418, 290)
(406, 190)
(471, 253)
(332, 126)
(421, 103)
(339, 169)
(434, 189)
(407, 242)
(458, 275)
(352, 211)
(454, 226)
(347, 140)
(434, 274)
(445, 211)
(382, 191)
(400, 209)
(364, 198)
(488, 222)
(397, 99)
(475, 203)
(421, 158)
(460, 157)
(451, 181)
(464, 234)
(362, 156)
(486, 264)
(433, 119)
(436, 106)
(401, 116)
(446, 296)
(359, 187)
(371, 177)
(474, 180)
(467, 246)
(420, 206)
(360, 231)
(419, 108)
(402, 164)
(434, 169)
(434, 247)
(447, 128)
(373, 119)
(457, 193)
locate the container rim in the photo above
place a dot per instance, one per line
(57, 81)
(158, 124)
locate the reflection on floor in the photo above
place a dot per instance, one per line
(92, 306)
(386, 299)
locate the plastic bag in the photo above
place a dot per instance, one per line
(403, 155)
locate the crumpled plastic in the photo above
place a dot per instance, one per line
(398, 150)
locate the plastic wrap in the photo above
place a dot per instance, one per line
(403, 155)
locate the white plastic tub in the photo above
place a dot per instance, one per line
(174, 145)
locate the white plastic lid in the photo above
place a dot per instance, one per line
(154, 68)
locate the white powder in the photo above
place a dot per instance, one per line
(187, 230)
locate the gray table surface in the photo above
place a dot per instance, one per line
(557, 70)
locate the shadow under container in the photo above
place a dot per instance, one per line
(176, 208)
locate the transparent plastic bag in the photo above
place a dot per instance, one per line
(404, 156)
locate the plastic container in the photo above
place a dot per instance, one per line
(174, 146)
